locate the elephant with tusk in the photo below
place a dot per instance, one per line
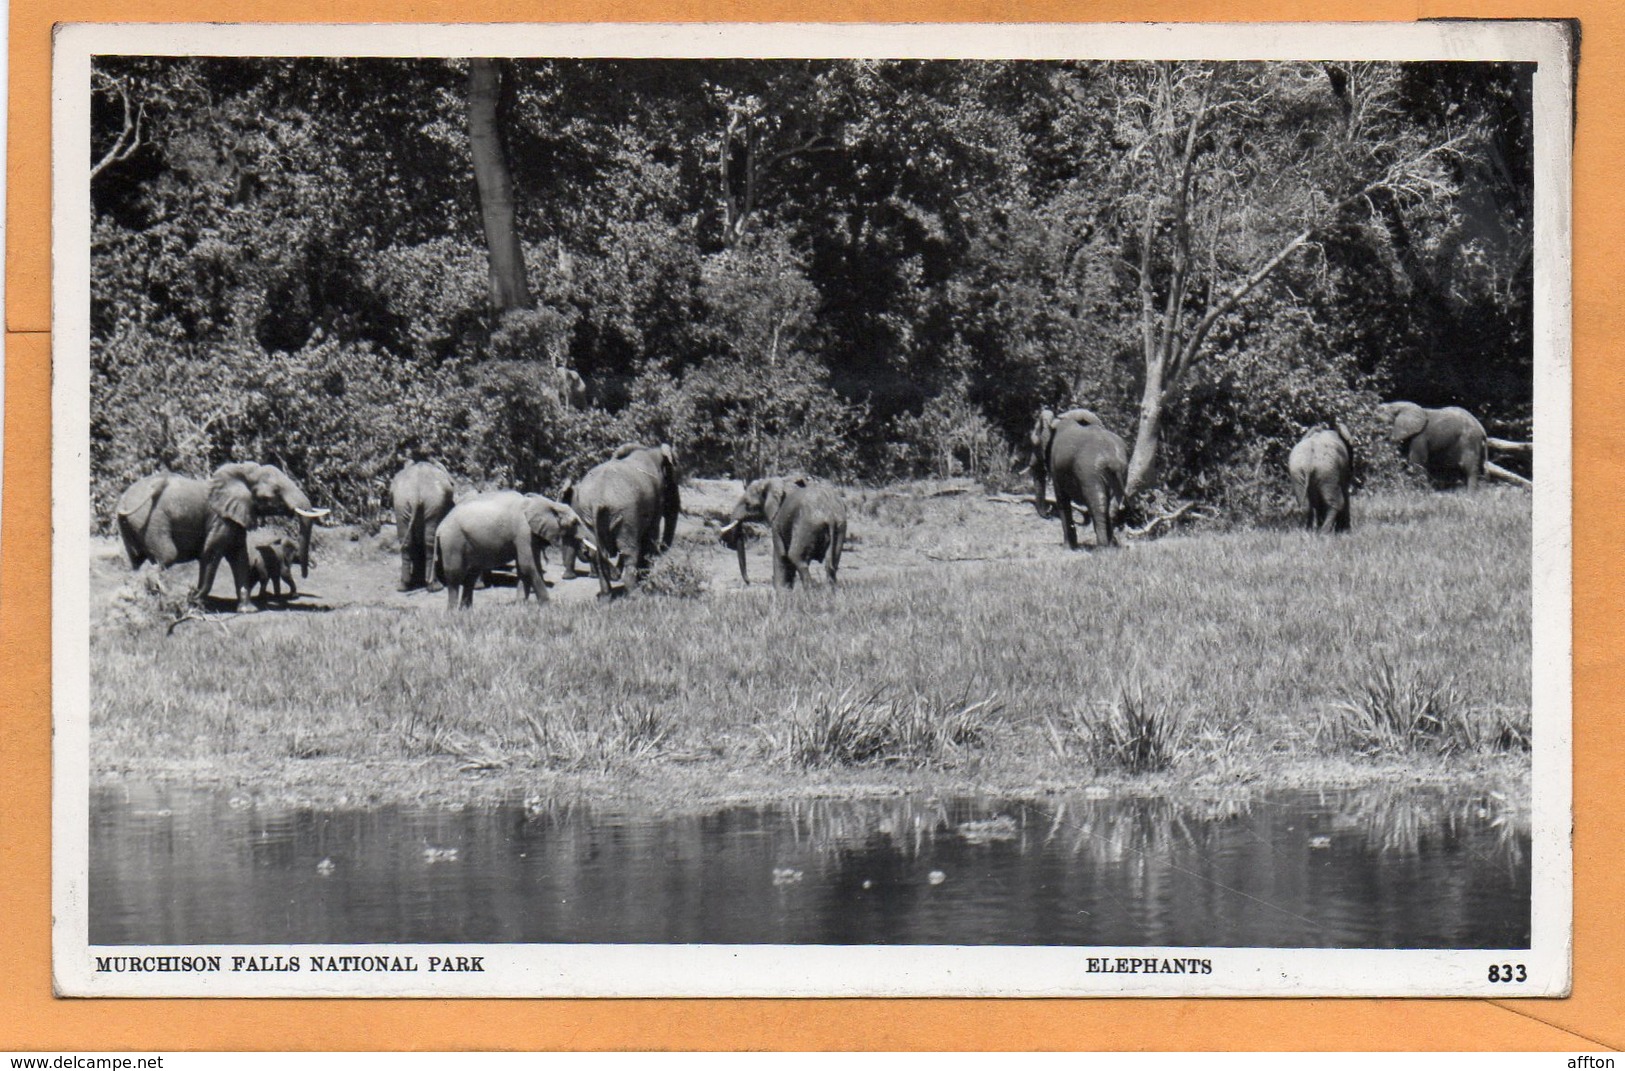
(497, 528)
(805, 517)
(630, 505)
(169, 519)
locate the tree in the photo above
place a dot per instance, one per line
(509, 288)
(1227, 171)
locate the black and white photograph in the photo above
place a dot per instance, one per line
(812, 510)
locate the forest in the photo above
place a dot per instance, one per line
(867, 270)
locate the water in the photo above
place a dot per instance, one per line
(1352, 869)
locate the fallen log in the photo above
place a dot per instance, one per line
(1507, 446)
(1496, 472)
(1163, 518)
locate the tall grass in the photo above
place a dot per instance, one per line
(1137, 733)
(1238, 644)
(859, 727)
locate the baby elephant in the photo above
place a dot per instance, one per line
(807, 519)
(271, 558)
(1322, 468)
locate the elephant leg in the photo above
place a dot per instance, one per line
(1472, 474)
(1100, 513)
(1069, 532)
(411, 549)
(832, 563)
(452, 593)
(431, 529)
(242, 578)
(530, 575)
(206, 567)
(783, 575)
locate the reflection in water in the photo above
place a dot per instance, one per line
(1361, 869)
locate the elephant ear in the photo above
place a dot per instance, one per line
(773, 498)
(1041, 426)
(668, 458)
(231, 495)
(1409, 421)
(544, 518)
(1348, 444)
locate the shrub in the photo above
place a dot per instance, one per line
(629, 732)
(856, 728)
(1397, 710)
(679, 573)
(1137, 733)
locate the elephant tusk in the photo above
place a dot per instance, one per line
(312, 514)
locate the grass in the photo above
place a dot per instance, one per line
(1197, 655)
(856, 728)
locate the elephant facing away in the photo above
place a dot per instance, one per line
(1322, 470)
(805, 517)
(169, 519)
(1088, 465)
(630, 505)
(1038, 441)
(495, 529)
(421, 494)
(1446, 443)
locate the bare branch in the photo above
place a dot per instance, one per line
(129, 136)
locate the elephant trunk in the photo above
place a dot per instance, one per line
(733, 535)
(305, 525)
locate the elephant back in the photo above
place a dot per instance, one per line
(1072, 438)
(822, 501)
(623, 486)
(135, 504)
(1322, 451)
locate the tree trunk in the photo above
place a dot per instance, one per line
(1142, 460)
(509, 289)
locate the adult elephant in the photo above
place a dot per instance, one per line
(806, 518)
(421, 494)
(1087, 464)
(1322, 470)
(1446, 443)
(169, 519)
(499, 528)
(630, 505)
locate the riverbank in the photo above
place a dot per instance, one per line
(966, 653)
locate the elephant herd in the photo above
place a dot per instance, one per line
(1087, 465)
(617, 518)
(623, 512)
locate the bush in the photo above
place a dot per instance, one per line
(1398, 710)
(1137, 733)
(856, 728)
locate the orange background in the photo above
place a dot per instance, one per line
(1593, 1018)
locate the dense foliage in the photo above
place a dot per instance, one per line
(862, 269)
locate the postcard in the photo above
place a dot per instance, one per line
(812, 510)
